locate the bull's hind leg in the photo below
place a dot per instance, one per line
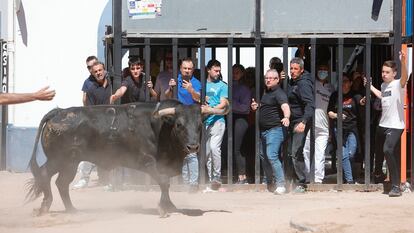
(47, 170)
(66, 176)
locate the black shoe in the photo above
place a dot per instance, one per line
(379, 179)
(395, 191)
(350, 182)
(242, 182)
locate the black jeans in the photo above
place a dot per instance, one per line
(387, 141)
(296, 165)
(240, 128)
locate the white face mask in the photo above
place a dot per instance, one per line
(322, 74)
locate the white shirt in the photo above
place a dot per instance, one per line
(392, 105)
(323, 92)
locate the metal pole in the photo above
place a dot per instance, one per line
(202, 164)
(285, 62)
(397, 11)
(312, 129)
(258, 66)
(147, 77)
(367, 114)
(412, 97)
(175, 64)
(230, 115)
(339, 119)
(117, 46)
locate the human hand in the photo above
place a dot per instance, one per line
(150, 85)
(402, 56)
(172, 83)
(282, 75)
(45, 94)
(254, 105)
(300, 128)
(363, 101)
(285, 122)
(187, 85)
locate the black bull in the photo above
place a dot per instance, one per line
(151, 137)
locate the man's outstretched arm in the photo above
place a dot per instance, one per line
(17, 98)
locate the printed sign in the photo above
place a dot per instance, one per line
(4, 67)
(144, 9)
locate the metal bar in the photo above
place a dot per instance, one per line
(4, 108)
(237, 55)
(412, 98)
(175, 64)
(258, 55)
(367, 114)
(117, 46)
(213, 52)
(202, 164)
(147, 77)
(312, 130)
(339, 119)
(397, 12)
(285, 61)
(230, 115)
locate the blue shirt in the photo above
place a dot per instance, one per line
(215, 91)
(89, 82)
(183, 95)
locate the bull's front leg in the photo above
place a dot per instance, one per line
(165, 206)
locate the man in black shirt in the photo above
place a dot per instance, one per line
(301, 102)
(273, 117)
(100, 92)
(133, 88)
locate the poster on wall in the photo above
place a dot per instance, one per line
(144, 9)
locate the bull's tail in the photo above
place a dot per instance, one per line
(33, 185)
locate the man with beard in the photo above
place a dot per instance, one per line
(216, 97)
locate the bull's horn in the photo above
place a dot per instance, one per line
(165, 111)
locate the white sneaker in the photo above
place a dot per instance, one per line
(82, 183)
(280, 191)
(209, 190)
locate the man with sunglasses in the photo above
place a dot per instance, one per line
(85, 168)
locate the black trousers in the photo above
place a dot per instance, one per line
(387, 141)
(240, 128)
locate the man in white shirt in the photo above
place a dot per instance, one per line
(391, 124)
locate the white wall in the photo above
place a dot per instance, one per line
(60, 35)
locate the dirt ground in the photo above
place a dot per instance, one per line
(240, 211)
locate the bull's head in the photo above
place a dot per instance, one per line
(187, 122)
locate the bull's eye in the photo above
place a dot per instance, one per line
(178, 125)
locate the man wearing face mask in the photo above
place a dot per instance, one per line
(323, 91)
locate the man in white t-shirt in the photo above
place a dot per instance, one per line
(323, 91)
(391, 124)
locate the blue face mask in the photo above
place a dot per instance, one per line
(322, 74)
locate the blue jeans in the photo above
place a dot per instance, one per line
(272, 140)
(348, 152)
(190, 169)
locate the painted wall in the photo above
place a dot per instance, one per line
(52, 40)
